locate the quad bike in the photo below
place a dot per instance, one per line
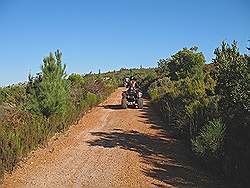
(132, 97)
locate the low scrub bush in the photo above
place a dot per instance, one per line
(76, 78)
(91, 99)
(160, 88)
(13, 95)
(20, 132)
(209, 143)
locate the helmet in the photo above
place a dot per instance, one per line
(132, 78)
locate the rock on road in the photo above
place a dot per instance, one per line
(111, 147)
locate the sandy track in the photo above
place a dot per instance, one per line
(112, 147)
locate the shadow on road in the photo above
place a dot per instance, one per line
(113, 106)
(168, 157)
(117, 107)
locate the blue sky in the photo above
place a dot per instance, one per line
(110, 34)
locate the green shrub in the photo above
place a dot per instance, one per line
(20, 132)
(186, 63)
(161, 87)
(14, 95)
(148, 80)
(209, 143)
(191, 88)
(91, 99)
(77, 94)
(163, 67)
(76, 78)
(210, 84)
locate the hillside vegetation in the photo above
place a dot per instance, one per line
(208, 104)
(48, 103)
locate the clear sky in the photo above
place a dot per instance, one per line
(110, 34)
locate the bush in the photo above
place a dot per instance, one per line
(14, 95)
(20, 132)
(148, 80)
(210, 84)
(161, 87)
(76, 78)
(180, 95)
(163, 67)
(77, 94)
(91, 99)
(186, 63)
(209, 143)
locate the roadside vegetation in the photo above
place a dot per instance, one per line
(51, 101)
(208, 104)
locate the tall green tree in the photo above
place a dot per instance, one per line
(233, 82)
(233, 88)
(49, 90)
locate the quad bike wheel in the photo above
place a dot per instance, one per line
(140, 103)
(124, 103)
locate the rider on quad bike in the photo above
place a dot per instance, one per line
(126, 82)
(132, 82)
(133, 96)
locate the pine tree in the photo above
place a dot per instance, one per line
(49, 90)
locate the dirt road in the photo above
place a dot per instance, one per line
(112, 147)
